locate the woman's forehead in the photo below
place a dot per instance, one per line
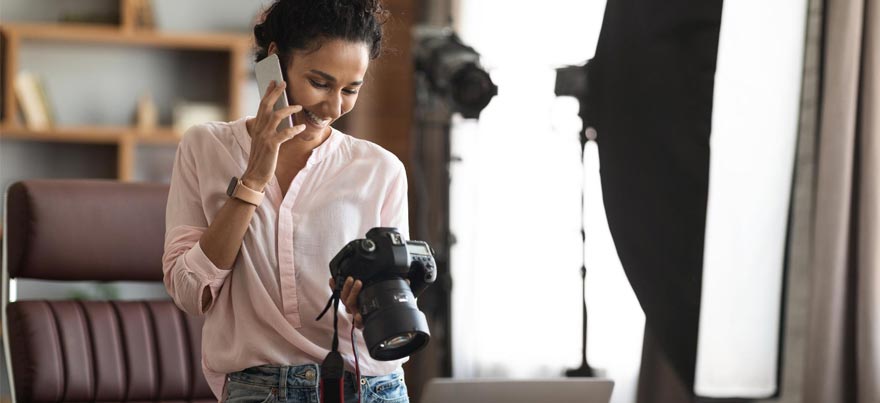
(340, 58)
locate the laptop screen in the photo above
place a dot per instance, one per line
(580, 390)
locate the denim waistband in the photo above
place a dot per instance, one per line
(298, 376)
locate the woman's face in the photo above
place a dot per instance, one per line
(326, 82)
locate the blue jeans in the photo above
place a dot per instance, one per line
(299, 384)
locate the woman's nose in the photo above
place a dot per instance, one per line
(334, 105)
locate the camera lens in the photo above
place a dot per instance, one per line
(397, 341)
(394, 327)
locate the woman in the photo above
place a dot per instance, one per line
(256, 263)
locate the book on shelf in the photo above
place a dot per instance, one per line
(144, 16)
(31, 95)
(146, 116)
(186, 114)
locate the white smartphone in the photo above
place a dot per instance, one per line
(267, 70)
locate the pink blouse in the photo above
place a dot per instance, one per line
(263, 310)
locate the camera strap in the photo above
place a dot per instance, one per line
(333, 302)
(332, 369)
(331, 379)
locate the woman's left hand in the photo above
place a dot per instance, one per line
(349, 297)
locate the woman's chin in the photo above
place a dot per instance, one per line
(311, 133)
(308, 135)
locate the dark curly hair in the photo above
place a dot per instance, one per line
(305, 24)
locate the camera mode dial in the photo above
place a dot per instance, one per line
(368, 245)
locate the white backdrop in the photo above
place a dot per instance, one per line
(516, 205)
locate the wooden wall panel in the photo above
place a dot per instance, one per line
(384, 112)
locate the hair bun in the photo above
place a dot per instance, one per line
(303, 24)
(259, 33)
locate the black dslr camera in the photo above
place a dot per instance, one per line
(393, 325)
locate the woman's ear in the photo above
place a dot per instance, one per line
(273, 48)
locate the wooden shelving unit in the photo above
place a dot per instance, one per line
(115, 35)
(125, 34)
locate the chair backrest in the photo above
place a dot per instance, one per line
(94, 350)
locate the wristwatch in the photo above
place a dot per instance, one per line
(239, 191)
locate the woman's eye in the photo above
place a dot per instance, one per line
(324, 86)
(318, 84)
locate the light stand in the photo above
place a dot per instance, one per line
(449, 79)
(574, 81)
(431, 191)
(585, 370)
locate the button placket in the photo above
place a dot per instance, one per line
(287, 222)
(286, 265)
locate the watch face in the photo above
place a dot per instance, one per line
(232, 184)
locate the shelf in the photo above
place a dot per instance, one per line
(91, 134)
(105, 34)
(233, 47)
(160, 136)
(72, 134)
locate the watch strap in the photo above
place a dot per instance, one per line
(238, 190)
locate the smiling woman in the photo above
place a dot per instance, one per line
(325, 81)
(256, 266)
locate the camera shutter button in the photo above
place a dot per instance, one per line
(368, 245)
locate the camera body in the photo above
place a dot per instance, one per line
(384, 261)
(383, 255)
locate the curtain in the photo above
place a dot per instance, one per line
(843, 345)
(651, 91)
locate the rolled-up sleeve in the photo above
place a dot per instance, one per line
(191, 279)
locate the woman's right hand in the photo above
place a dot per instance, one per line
(266, 140)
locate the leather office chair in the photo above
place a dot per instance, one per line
(58, 351)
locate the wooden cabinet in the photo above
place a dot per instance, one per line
(232, 49)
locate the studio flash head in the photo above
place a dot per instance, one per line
(574, 81)
(453, 70)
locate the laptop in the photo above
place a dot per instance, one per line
(563, 390)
